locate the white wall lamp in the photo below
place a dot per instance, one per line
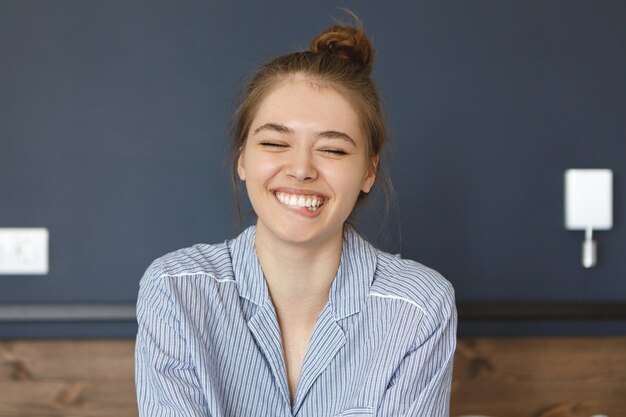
(589, 206)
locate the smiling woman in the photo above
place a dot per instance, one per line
(306, 144)
(299, 315)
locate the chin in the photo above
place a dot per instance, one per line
(300, 235)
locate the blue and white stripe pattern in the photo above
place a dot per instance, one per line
(209, 342)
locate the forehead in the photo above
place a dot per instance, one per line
(301, 103)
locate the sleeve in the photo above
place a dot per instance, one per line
(167, 385)
(421, 385)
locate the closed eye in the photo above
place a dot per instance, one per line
(273, 145)
(335, 151)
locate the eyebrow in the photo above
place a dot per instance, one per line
(329, 134)
(333, 134)
(276, 127)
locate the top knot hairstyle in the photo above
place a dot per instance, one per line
(348, 43)
(340, 58)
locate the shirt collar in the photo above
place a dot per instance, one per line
(247, 269)
(354, 276)
(348, 291)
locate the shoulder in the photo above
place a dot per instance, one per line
(201, 259)
(411, 282)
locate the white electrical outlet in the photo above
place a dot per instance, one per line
(23, 251)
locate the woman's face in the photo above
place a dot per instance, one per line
(305, 162)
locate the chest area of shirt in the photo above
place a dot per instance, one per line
(353, 359)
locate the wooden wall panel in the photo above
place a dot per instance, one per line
(496, 377)
(67, 378)
(540, 377)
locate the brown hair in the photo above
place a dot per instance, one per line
(340, 58)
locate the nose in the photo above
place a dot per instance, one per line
(302, 167)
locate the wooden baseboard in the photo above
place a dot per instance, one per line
(541, 311)
(488, 310)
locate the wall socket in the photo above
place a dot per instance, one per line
(23, 251)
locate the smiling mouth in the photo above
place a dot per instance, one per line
(298, 201)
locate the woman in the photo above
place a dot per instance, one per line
(298, 315)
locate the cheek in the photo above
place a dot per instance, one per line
(260, 168)
(347, 180)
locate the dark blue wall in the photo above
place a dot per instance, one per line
(114, 118)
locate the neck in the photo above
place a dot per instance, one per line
(299, 276)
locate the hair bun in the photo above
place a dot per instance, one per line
(347, 42)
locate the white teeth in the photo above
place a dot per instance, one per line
(299, 201)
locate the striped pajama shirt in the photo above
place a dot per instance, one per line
(209, 343)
